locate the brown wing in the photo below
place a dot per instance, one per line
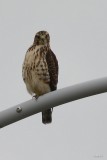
(53, 69)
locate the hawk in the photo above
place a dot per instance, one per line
(40, 70)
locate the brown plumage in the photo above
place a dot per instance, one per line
(40, 70)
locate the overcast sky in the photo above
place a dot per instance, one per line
(78, 31)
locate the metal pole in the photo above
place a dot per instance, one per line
(52, 99)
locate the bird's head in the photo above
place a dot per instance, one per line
(42, 38)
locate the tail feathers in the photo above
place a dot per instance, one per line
(47, 116)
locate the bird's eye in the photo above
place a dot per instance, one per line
(37, 36)
(46, 36)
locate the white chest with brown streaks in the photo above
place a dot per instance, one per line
(35, 71)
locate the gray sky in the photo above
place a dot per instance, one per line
(78, 31)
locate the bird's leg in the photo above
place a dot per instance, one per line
(35, 96)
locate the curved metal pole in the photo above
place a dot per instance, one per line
(52, 99)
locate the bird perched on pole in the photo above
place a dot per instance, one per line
(40, 70)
